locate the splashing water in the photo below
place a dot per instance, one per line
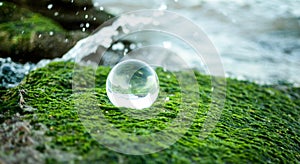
(258, 40)
(260, 43)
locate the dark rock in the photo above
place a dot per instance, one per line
(12, 73)
(71, 14)
(31, 37)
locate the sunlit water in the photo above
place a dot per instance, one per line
(257, 40)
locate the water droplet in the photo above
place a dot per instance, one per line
(87, 25)
(118, 46)
(83, 30)
(84, 9)
(125, 51)
(132, 46)
(50, 6)
(101, 8)
(132, 84)
(51, 33)
(1, 3)
(86, 16)
(56, 14)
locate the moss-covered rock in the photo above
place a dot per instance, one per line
(27, 36)
(259, 124)
(71, 14)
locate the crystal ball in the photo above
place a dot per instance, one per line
(132, 84)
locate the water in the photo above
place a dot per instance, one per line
(12, 73)
(258, 40)
(132, 84)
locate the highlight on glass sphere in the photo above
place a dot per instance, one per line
(132, 84)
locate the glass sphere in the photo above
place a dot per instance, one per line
(132, 84)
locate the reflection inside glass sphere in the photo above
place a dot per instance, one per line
(132, 84)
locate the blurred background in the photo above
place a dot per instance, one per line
(257, 40)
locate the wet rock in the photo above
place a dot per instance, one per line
(12, 73)
(22, 141)
(31, 37)
(70, 14)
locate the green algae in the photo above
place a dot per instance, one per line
(28, 36)
(19, 26)
(259, 124)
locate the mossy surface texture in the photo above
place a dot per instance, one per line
(259, 124)
(17, 25)
(29, 36)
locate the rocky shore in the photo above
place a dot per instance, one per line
(35, 30)
(40, 122)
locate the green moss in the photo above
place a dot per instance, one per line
(20, 26)
(12, 16)
(259, 124)
(10, 12)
